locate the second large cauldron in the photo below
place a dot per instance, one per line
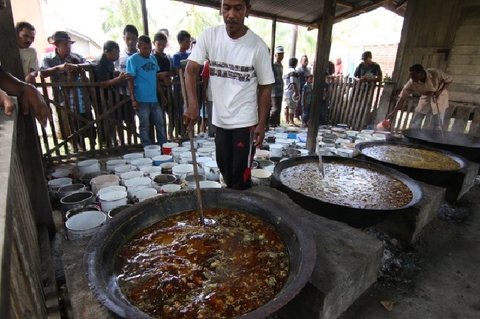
(354, 216)
(103, 249)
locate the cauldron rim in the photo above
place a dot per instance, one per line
(457, 158)
(353, 216)
(300, 233)
(426, 136)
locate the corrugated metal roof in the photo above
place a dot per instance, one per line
(309, 12)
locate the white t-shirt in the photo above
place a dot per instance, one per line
(29, 60)
(237, 67)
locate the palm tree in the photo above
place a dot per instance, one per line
(119, 13)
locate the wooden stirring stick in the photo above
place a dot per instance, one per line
(191, 129)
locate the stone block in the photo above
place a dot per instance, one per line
(408, 224)
(348, 261)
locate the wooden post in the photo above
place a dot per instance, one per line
(27, 143)
(272, 42)
(324, 41)
(144, 16)
(293, 48)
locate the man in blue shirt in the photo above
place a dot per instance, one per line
(142, 67)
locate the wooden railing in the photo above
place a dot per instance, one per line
(107, 125)
(459, 117)
(352, 102)
(25, 221)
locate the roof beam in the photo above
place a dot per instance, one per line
(357, 10)
(345, 4)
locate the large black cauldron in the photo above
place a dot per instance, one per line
(434, 177)
(356, 217)
(103, 248)
(465, 145)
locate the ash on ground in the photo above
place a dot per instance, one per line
(398, 260)
(454, 213)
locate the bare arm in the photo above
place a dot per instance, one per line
(264, 100)
(31, 98)
(122, 77)
(397, 107)
(190, 116)
(6, 102)
(131, 90)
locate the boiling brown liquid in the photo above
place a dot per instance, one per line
(180, 269)
(412, 157)
(347, 185)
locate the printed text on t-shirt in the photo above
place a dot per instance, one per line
(231, 71)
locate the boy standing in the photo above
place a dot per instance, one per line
(291, 95)
(307, 99)
(143, 68)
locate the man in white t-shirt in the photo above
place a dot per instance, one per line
(25, 37)
(240, 76)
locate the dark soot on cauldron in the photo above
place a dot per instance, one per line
(180, 269)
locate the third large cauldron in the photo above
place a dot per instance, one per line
(104, 248)
(465, 145)
(424, 163)
(362, 210)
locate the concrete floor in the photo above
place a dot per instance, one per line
(446, 283)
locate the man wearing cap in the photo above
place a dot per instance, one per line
(62, 65)
(368, 71)
(241, 77)
(277, 87)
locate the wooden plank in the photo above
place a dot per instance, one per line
(468, 34)
(475, 124)
(461, 115)
(467, 88)
(468, 49)
(461, 69)
(468, 79)
(464, 97)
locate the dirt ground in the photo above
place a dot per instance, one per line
(445, 279)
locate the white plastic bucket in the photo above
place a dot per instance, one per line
(152, 150)
(131, 156)
(116, 188)
(141, 162)
(84, 224)
(111, 164)
(55, 184)
(145, 193)
(110, 200)
(211, 170)
(129, 175)
(102, 181)
(170, 188)
(261, 177)
(182, 170)
(160, 159)
(88, 166)
(123, 169)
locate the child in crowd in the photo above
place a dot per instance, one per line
(291, 91)
(307, 99)
(142, 67)
(184, 41)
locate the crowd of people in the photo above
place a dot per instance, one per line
(242, 91)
